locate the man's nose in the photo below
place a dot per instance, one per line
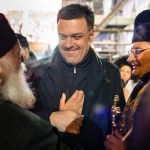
(131, 58)
(69, 42)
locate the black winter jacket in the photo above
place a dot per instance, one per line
(100, 81)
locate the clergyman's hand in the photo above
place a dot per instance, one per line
(67, 121)
(114, 142)
(75, 103)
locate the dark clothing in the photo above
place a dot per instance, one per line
(22, 130)
(143, 81)
(100, 81)
(126, 119)
(140, 137)
(136, 116)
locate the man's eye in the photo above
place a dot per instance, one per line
(138, 51)
(77, 37)
(61, 37)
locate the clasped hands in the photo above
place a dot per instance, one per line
(69, 118)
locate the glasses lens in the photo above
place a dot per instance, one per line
(129, 52)
(133, 51)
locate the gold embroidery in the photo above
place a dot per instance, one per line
(125, 122)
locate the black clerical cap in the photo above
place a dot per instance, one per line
(7, 36)
(142, 27)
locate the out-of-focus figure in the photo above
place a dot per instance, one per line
(128, 80)
(26, 53)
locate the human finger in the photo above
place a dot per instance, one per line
(108, 146)
(112, 139)
(76, 124)
(62, 101)
(80, 105)
(118, 135)
(74, 96)
(77, 121)
(80, 96)
(73, 131)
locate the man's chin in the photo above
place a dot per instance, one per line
(136, 74)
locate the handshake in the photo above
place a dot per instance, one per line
(69, 118)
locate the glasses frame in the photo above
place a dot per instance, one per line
(137, 51)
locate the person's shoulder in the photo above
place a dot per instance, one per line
(27, 122)
(108, 65)
(39, 63)
(37, 69)
(13, 109)
(18, 113)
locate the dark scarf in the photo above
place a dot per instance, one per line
(140, 85)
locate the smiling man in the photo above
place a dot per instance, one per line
(74, 66)
(139, 57)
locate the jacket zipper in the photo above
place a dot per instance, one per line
(74, 69)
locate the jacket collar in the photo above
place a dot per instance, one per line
(84, 64)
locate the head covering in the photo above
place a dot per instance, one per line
(122, 61)
(23, 40)
(142, 27)
(7, 36)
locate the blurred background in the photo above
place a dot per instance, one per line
(36, 19)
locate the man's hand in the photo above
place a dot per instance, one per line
(69, 118)
(75, 103)
(67, 121)
(114, 142)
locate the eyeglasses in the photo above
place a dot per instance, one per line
(137, 51)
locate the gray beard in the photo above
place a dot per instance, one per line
(17, 90)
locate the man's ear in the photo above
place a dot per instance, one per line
(24, 54)
(1, 74)
(92, 34)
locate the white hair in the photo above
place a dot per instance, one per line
(16, 89)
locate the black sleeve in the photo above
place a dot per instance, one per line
(22, 130)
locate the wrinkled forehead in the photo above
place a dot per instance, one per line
(141, 44)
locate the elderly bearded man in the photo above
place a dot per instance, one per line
(19, 128)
